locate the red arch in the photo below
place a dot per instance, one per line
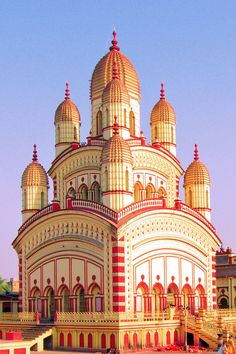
(93, 285)
(159, 286)
(112, 341)
(174, 287)
(156, 339)
(103, 341)
(34, 289)
(126, 340)
(81, 340)
(61, 288)
(90, 340)
(135, 340)
(201, 289)
(148, 340)
(188, 288)
(69, 340)
(176, 337)
(47, 289)
(142, 285)
(61, 340)
(76, 287)
(168, 337)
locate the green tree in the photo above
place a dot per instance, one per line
(4, 285)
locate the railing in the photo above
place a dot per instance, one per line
(187, 209)
(48, 209)
(23, 317)
(156, 203)
(111, 317)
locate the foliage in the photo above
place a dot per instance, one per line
(4, 285)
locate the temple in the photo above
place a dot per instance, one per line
(117, 259)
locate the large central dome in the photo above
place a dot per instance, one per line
(102, 74)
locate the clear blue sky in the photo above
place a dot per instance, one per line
(191, 45)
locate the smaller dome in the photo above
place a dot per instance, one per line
(196, 173)
(163, 111)
(67, 111)
(115, 91)
(116, 149)
(34, 174)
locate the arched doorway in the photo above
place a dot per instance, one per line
(65, 306)
(138, 188)
(172, 295)
(141, 300)
(149, 191)
(96, 299)
(95, 192)
(157, 297)
(187, 296)
(83, 192)
(35, 300)
(80, 302)
(48, 309)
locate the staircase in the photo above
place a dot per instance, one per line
(36, 335)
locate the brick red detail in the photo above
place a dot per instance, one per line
(118, 249)
(213, 282)
(119, 308)
(20, 268)
(118, 279)
(213, 274)
(213, 258)
(13, 336)
(20, 351)
(113, 239)
(214, 290)
(20, 277)
(122, 238)
(118, 289)
(20, 260)
(4, 351)
(118, 298)
(213, 266)
(118, 259)
(118, 269)
(214, 299)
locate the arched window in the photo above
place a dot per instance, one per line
(126, 341)
(25, 201)
(81, 340)
(61, 340)
(168, 337)
(71, 193)
(58, 135)
(75, 133)
(127, 179)
(135, 340)
(190, 197)
(95, 192)
(103, 341)
(97, 301)
(90, 340)
(186, 295)
(156, 339)
(148, 340)
(132, 123)
(112, 341)
(149, 191)
(106, 118)
(172, 291)
(99, 123)
(42, 200)
(207, 199)
(83, 192)
(106, 180)
(161, 192)
(69, 340)
(80, 306)
(138, 192)
(125, 117)
(158, 291)
(65, 299)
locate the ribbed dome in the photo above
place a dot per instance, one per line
(34, 174)
(196, 173)
(67, 111)
(116, 149)
(163, 111)
(115, 91)
(102, 74)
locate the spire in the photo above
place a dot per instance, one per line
(115, 74)
(67, 91)
(196, 156)
(114, 42)
(162, 91)
(115, 126)
(35, 157)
